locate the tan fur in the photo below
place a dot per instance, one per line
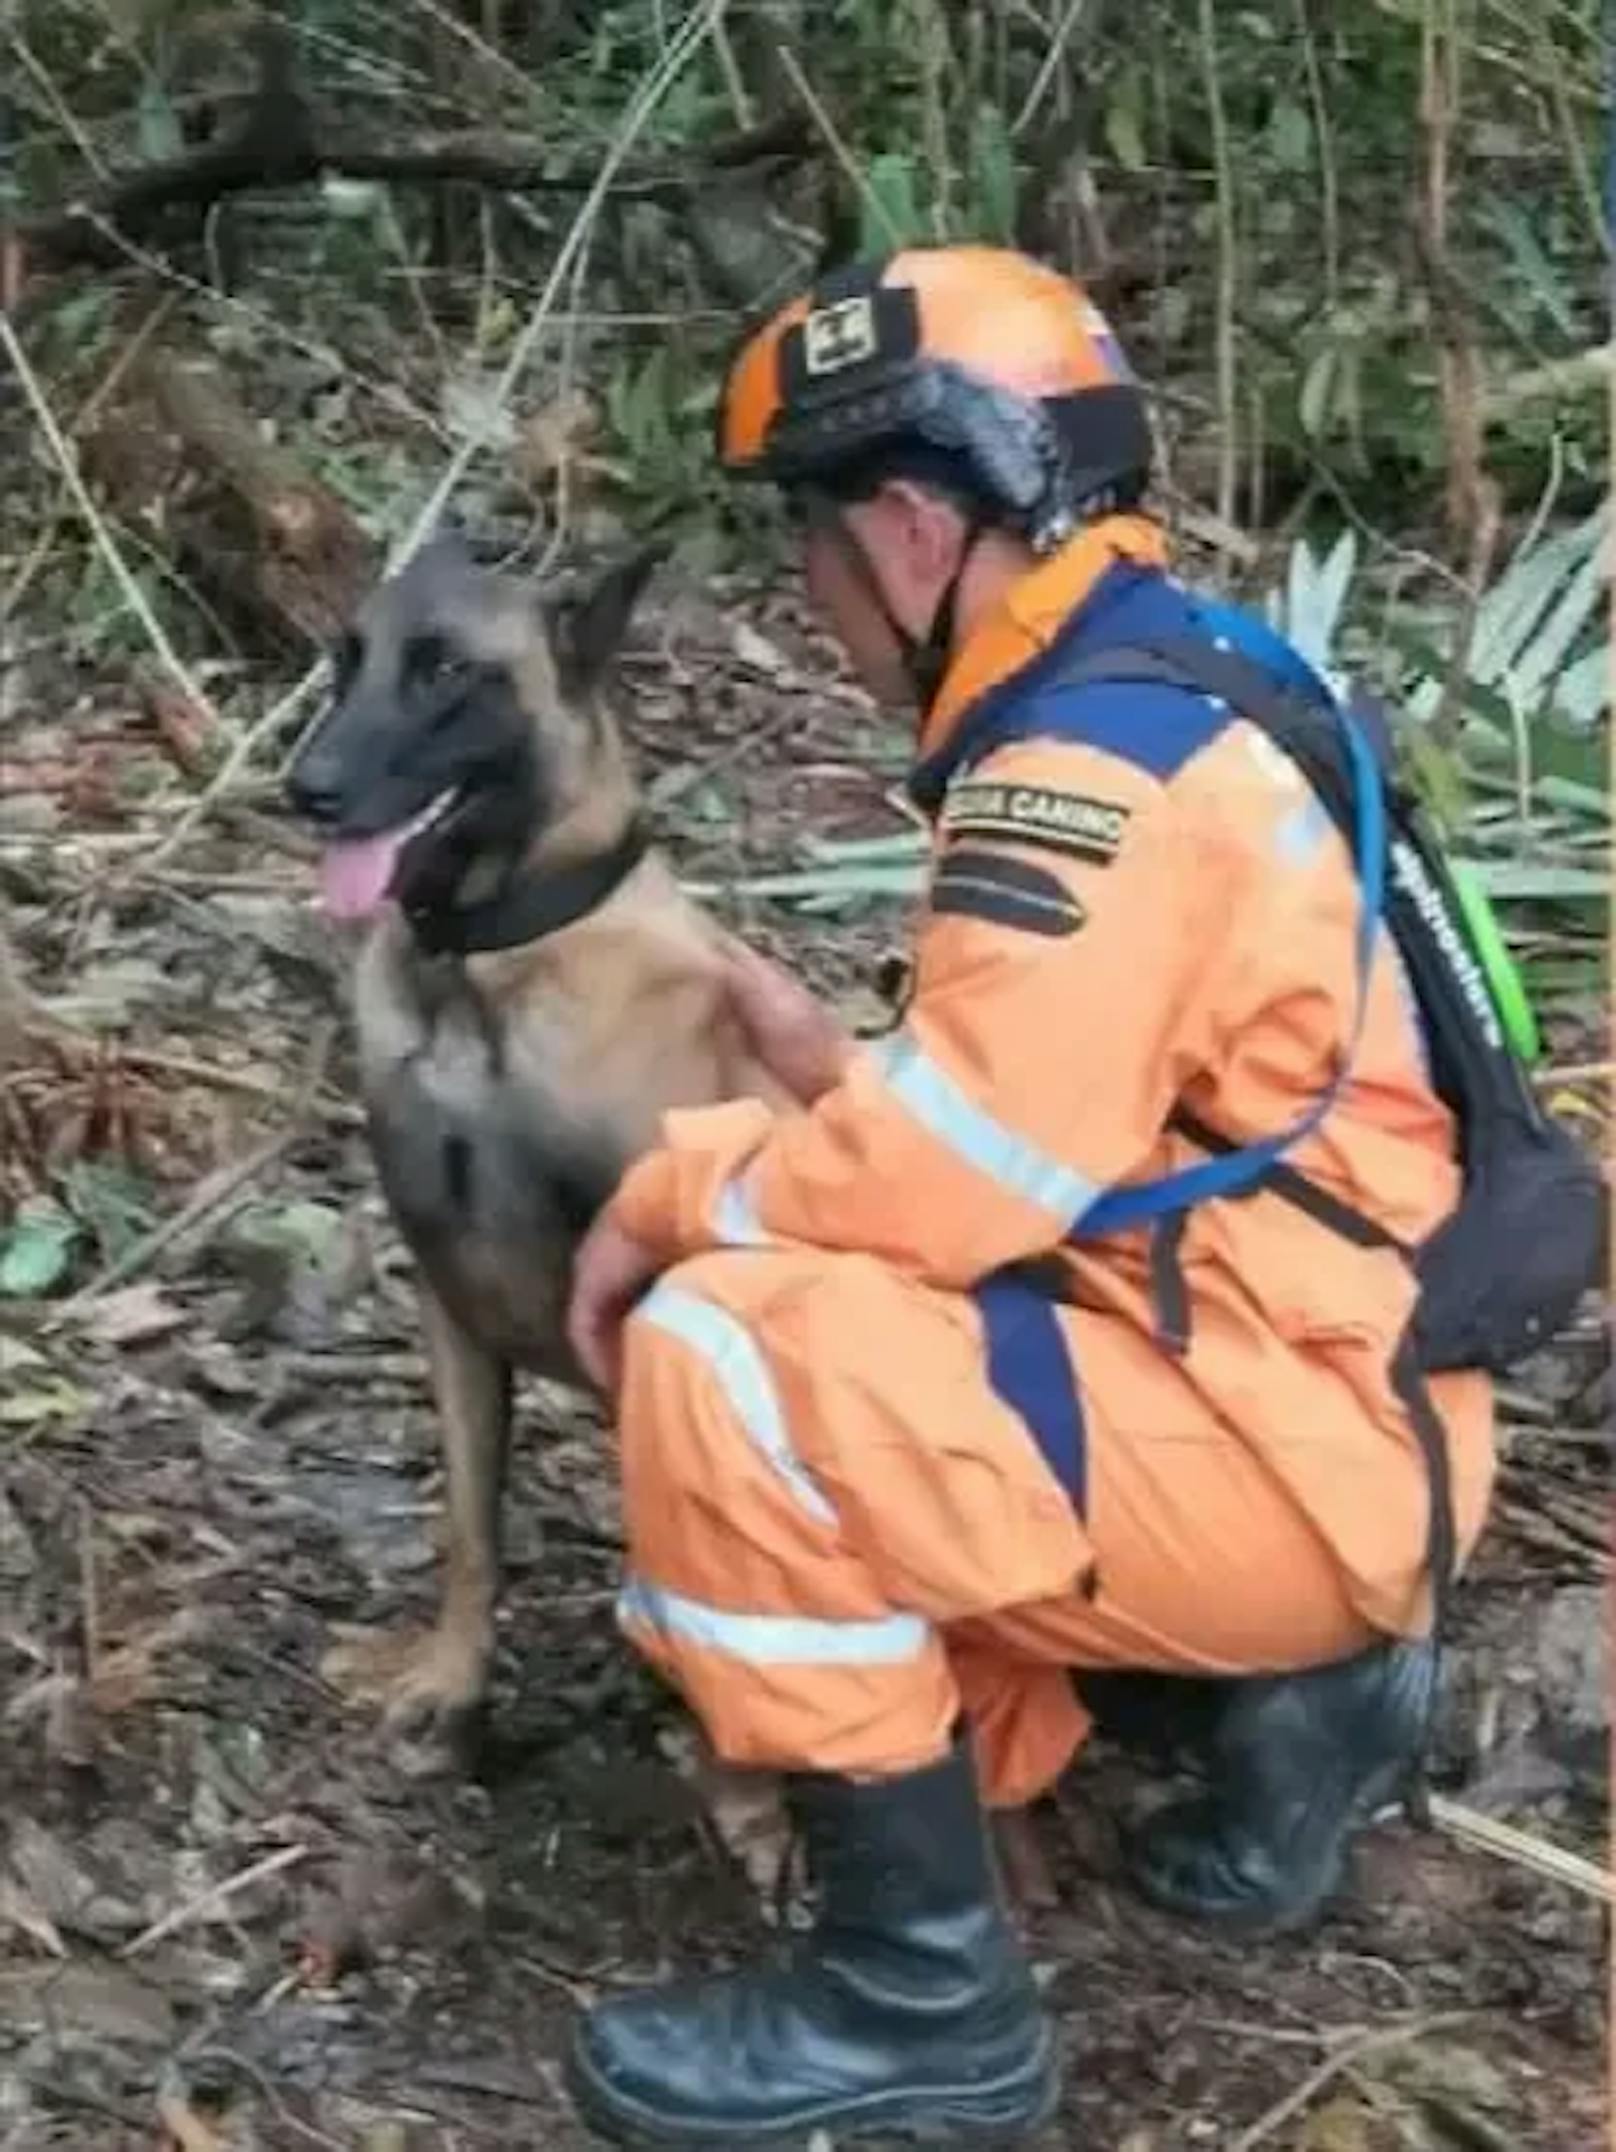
(568, 1047)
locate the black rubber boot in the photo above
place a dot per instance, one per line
(909, 2011)
(1296, 1762)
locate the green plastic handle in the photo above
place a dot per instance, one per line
(1509, 993)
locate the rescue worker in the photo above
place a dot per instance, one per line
(903, 1450)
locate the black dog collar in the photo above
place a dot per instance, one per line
(532, 905)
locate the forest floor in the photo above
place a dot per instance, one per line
(231, 1916)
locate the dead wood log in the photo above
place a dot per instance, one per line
(270, 545)
(281, 142)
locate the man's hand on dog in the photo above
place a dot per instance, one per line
(789, 1030)
(804, 1048)
(611, 1272)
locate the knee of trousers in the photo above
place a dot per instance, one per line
(699, 1406)
(742, 1586)
(717, 1499)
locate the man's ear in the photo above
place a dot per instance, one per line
(933, 529)
(587, 625)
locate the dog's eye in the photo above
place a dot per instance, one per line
(430, 659)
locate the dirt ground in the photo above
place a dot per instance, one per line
(231, 1916)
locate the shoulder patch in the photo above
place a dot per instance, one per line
(1042, 815)
(1005, 893)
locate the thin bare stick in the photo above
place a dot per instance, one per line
(216, 1895)
(1329, 186)
(246, 745)
(454, 25)
(1566, 120)
(814, 106)
(1227, 278)
(237, 1080)
(1051, 61)
(211, 1193)
(657, 83)
(1488, 1835)
(1578, 1072)
(1343, 2058)
(734, 82)
(89, 1592)
(67, 465)
(66, 118)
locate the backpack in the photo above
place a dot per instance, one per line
(1529, 1191)
(1528, 1237)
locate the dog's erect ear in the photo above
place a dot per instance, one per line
(587, 625)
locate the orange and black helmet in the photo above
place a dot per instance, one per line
(963, 361)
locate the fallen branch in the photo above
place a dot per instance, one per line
(1333, 2066)
(1471, 1828)
(218, 1894)
(308, 560)
(210, 1195)
(281, 142)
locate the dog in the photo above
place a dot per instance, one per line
(532, 990)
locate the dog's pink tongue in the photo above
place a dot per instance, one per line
(357, 873)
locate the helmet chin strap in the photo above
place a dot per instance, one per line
(925, 657)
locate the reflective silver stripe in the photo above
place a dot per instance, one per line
(943, 1109)
(1303, 831)
(734, 1220)
(744, 1379)
(774, 1639)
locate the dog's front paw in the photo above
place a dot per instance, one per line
(430, 1685)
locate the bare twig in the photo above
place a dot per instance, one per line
(213, 2051)
(216, 1895)
(67, 465)
(1489, 1835)
(655, 87)
(1582, 371)
(280, 713)
(1587, 186)
(1472, 500)
(1329, 189)
(1332, 2067)
(1228, 270)
(89, 1592)
(1577, 1072)
(211, 1193)
(280, 143)
(1064, 33)
(814, 105)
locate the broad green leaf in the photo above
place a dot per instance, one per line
(1314, 406)
(1517, 602)
(1525, 881)
(1315, 595)
(1568, 619)
(993, 174)
(1581, 695)
(1125, 121)
(903, 846)
(37, 1249)
(1290, 135)
(109, 1197)
(1542, 279)
(53, 1399)
(157, 126)
(892, 215)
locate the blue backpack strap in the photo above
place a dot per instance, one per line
(1220, 669)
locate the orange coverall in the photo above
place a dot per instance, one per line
(841, 1533)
